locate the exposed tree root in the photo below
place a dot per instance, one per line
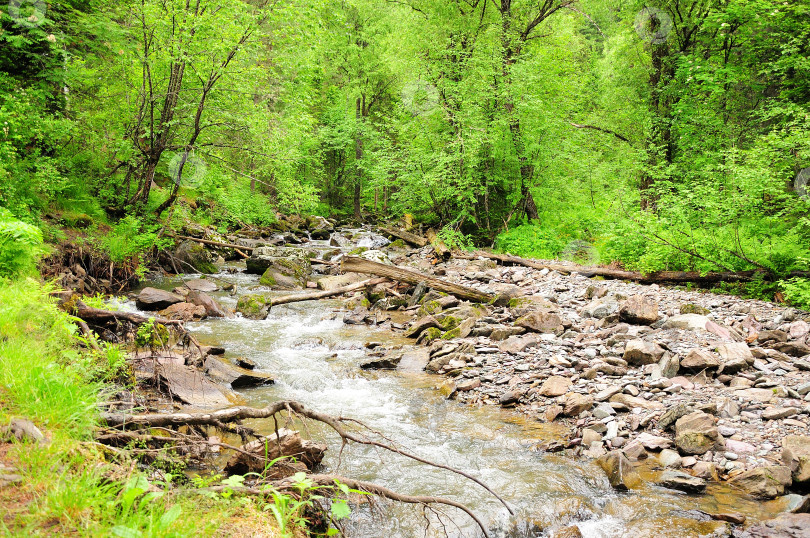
(222, 417)
(369, 487)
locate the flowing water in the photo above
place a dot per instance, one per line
(314, 357)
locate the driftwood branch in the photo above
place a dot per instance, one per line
(408, 237)
(369, 487)
(322, 294)
(240, 413)
(643, 278)
(360, 265)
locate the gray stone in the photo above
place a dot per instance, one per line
(23, 429)
(784, 526)
(670, 459)
(541, 322)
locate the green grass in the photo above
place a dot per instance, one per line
(69, 487)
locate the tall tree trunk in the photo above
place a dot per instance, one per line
(358, 156)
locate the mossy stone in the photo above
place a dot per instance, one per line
(252, 306)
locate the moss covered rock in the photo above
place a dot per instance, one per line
(193, 257)
(253, 306)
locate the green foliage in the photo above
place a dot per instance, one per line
(533, 241)
(797, 292)
(152, 335)
(20, 246)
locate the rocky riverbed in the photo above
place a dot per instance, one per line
(705, 387)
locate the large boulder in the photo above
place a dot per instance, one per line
(696, 433)
(192, 257)
(287, 273)
(764, 482)
(640, 352)
(796, 455)
(155, 299)
(640, 310)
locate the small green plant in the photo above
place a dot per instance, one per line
(152, 335)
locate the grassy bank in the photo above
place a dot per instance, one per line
(71, 485)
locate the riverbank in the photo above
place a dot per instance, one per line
(54, 479)
(615, 365)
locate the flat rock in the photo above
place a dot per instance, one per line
(191, 387)
(517, 344)
(681, 481)
(541, 322)
(230, 374)
(555, 386)
(653, 442)
(153, 299)
(775, 413)
(183, 312)
(576, 403)
(633, 402)
(201, 284)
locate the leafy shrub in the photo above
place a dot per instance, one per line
(531, 240)
(20, 246)
(797, 292)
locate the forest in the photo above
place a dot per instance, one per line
(621, 135)
(672, 135)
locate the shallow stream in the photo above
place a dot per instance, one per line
(315, 359)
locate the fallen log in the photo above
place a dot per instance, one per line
(657, 277)
(361, 265)
(212, 243)
(286, 299)
(234, 414)
(441, 250)
(408, 237)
